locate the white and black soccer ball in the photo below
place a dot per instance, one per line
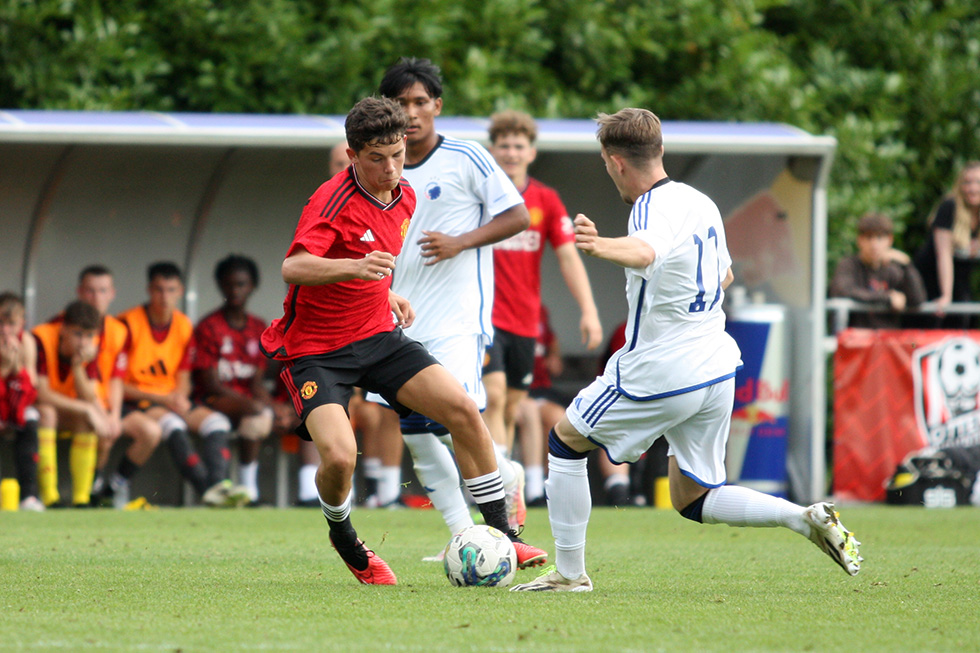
(959, 373)
(480, 556)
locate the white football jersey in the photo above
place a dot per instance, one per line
(675, 332)
(459, 188)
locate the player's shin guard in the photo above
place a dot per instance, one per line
(81, 459)
(187, 460)
(214, 447)
(436, 470)
(741, 506)
(569, 507)
(26, 458)
(488, 492)
(47, 465)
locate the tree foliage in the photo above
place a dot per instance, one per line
(895, 81)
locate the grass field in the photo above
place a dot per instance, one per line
(265, 579)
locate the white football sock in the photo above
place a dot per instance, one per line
(436, 470)
(307, 483)
(389, 485)
(248, 474)
(740, 506)
(533, 482)
(569, 506)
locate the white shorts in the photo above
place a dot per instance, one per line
(463, 357)
(695, 423)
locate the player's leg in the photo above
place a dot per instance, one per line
(495, 385)
(696, 469)
(252, 430)
(47, 455)
(145, 434)
(436, 393)
(174, 433)
(25, 459)
(528, 423)
(330, 429)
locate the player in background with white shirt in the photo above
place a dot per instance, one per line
(675, 374)
(465, 204)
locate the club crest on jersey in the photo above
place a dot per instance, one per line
(368, 237)
(308, 390)
(946, 392)
(433, 190)
(404, 229)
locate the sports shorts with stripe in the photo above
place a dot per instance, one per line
(696, 424)
(382, 363)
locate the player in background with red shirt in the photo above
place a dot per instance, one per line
(339, 265)
(517, 294)
(229, 366)
(18, 390)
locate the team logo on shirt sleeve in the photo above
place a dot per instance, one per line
(308, 390)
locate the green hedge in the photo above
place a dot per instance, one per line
(895, 81)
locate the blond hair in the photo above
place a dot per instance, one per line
(962, 214)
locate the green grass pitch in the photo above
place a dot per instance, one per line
(267, 580)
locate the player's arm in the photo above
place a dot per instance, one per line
(729, 278)
(437, 246)
(577, 280)
(305, 269)
(626, 251)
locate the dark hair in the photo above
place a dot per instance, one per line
(234, 263)
(375, 121)
(82, 315)
(875, 224)
(631, 133)
(95, 270)
(407, 72)
(512, 122)
(164, 269)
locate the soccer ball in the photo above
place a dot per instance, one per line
(480, 556)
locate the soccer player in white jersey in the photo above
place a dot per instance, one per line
(675, 374)
(465, 204)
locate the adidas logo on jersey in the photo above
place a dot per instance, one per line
(368, 237)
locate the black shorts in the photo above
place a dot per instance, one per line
(382, 363)
(514, 356)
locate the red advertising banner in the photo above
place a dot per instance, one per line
(896, 392)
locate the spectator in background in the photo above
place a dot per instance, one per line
(946, 259)
(229, 367)
(96, 288)
(18, 390)
(69, 399)
(517, 278)
(878, 274)
(158, 383)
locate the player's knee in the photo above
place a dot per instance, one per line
(694, 509)
(170, 423)
(256, 427)
(215, 423)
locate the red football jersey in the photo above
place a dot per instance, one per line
(340, 221)
(517, 261)
(234, 353)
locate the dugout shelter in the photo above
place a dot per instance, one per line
(129, 188)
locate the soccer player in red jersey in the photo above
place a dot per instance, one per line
(517, 294)
(18, 390)
(229, 366)
(338, 332)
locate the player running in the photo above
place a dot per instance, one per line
(675, 374)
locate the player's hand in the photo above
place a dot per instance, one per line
(437, 246)
(10, 353)
(178, 403)
(591, 331)
(404, 313)
(941, 303)
(586, 235)
(98, 420)
(375, 266)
